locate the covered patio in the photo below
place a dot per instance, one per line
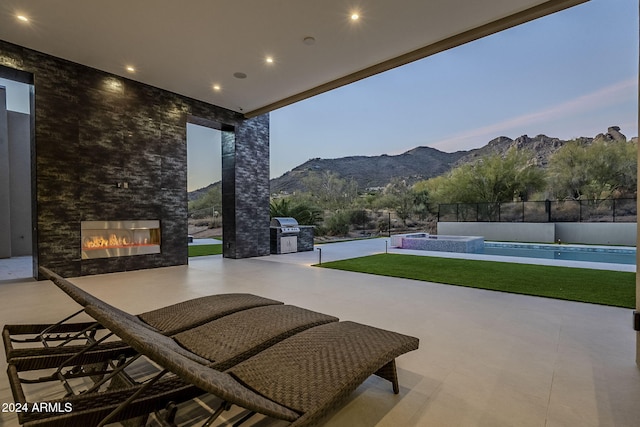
(485, 358)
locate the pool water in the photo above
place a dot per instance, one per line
(607, 254)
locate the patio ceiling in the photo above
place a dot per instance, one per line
(190, 47)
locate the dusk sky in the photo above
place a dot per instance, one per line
(574, 73)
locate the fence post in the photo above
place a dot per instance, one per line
(477, 212)
(499, 212)
(523, 211)
(614, 210)
(580, 211)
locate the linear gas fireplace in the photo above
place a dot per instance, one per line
(106, 239)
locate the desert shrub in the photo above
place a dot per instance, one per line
(359, 217)
(338, 224)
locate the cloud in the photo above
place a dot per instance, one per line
(596, 100)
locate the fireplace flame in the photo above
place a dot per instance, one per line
(106, 239)
(112, 241)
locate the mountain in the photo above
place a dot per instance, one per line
(374, 171)
(196, 194)
(419, 163)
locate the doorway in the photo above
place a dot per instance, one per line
(16, 237)
(204, 187)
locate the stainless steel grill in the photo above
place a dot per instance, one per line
(286, 224)
(284, 235)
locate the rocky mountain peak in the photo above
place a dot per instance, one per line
(613, 134)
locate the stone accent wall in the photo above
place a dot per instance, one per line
(94, 130)
(245, 189)
(305, 239)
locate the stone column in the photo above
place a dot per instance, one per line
(245, 188)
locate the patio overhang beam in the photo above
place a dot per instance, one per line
(522, 17)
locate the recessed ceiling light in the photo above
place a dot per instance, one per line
(309, 40)
(239, 75)
(355, 16)
(216, 87)
(269, 60)
(131, 69)
(22, 18)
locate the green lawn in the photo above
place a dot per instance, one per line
(614, 288)
(203, 250)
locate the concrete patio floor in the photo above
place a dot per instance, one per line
(485, 359)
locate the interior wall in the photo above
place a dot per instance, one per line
(19, 126)
(94, 130)
(5, 202)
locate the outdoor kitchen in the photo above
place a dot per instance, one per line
(287, 236)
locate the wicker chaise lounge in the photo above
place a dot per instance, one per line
(299, 379)
(39, 341)
(229, 339)
(219, 345)
(271, 353)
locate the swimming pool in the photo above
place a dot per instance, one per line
(606, 254)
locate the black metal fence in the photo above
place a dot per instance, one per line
(595, 210)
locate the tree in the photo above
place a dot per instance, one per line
(421, 200)
(398, 196)
(601, 170)
(492, 179)
(328, 190)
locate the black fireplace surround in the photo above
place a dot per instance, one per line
(92, 130)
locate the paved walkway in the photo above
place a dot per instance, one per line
(16, 269)
(205, 242)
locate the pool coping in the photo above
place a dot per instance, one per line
(520, 260)
(563, 247)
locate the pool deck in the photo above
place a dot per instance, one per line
(358, 248)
